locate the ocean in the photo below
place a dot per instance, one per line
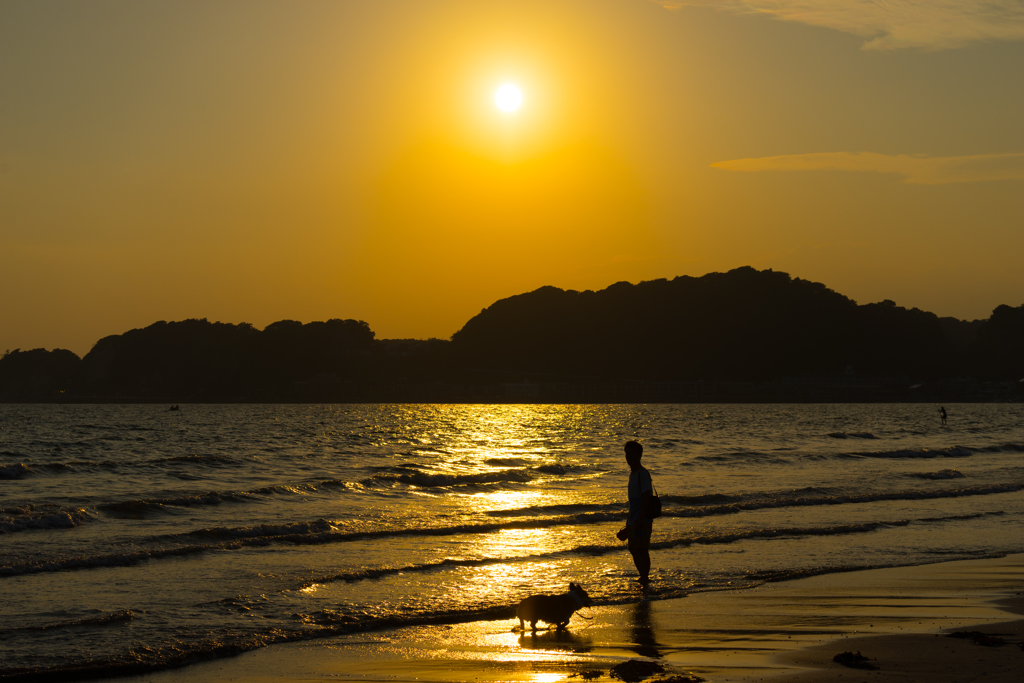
(134, 538)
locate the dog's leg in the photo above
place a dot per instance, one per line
(533, 626)
(522, 627)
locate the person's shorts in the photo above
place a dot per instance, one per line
(639, 535)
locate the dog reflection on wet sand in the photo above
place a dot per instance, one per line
(552, 609)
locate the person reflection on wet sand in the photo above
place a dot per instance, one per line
(642, 631)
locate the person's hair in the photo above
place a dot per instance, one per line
(634, 448)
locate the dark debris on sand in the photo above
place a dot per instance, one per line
(636, 670)
(682, 679)
(854, 660)
(979, 638)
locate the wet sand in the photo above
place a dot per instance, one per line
(788, 632)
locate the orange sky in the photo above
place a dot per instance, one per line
(254, 161)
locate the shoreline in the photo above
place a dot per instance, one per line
(785, 631)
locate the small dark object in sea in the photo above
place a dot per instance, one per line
(979, 638)
(636, 670)
(854, 661)
(588, 675)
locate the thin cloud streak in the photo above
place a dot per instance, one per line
(915, 169)
(891, 24)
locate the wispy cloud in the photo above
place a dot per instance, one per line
(915, 169)
(892, 24)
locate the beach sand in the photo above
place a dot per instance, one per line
(787, 631)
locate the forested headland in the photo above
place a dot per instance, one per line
(735, 336)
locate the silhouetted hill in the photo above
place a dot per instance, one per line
(37, 374)
(999, 349)
(741, 335)
(744, 324)
(203, 360)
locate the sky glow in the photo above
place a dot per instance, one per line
(259, 161)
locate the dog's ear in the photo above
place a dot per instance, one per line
(572, 586)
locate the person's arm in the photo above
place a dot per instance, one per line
(645, 498)
(645, 504)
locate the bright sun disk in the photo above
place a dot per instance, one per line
(508, 97)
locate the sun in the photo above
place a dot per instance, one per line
(508, 97)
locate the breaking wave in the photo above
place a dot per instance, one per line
(951, 452)
(119, 617)
(323, 531)
(28, 517)
(605, 549)
(14, 471)
(148, 505)
(445, 480)
(941, 474)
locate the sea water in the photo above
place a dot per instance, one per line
(134, 538)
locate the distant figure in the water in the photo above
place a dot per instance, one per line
(639, 524)
(942, 414)
(174, 407)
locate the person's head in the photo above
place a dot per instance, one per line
(634, 451)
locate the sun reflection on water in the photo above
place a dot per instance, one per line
(503, 579)
(482, 641)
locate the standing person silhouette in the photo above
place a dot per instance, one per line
(639, 524)
(942, 414)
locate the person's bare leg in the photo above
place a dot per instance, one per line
(642, 560)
